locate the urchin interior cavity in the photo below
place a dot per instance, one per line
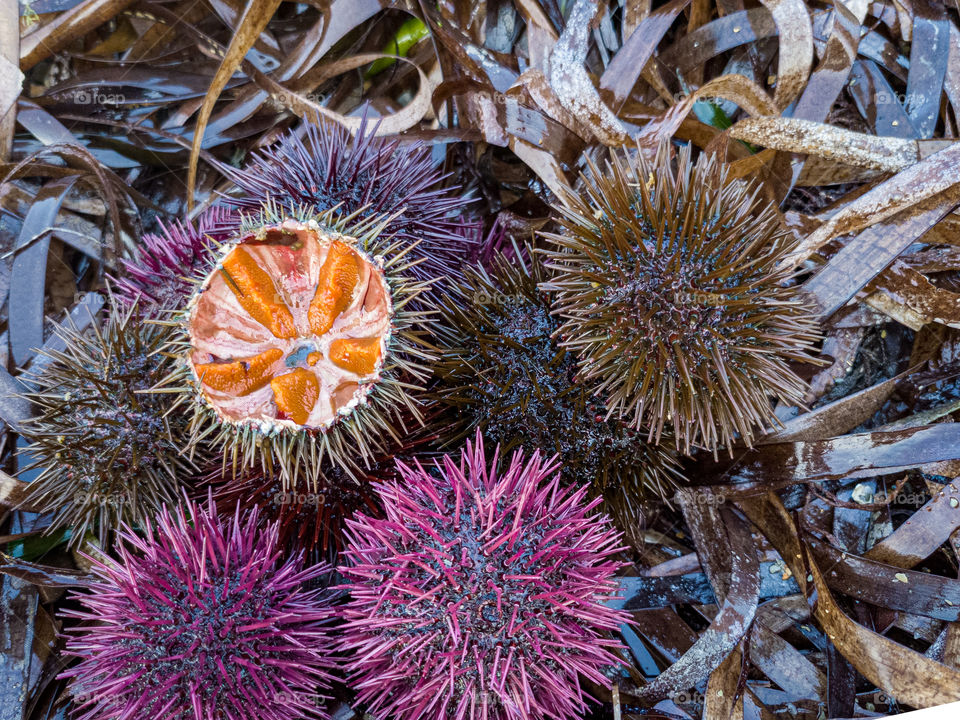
(290, 329)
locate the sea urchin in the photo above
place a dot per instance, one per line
(671, 294)
(108, 450)
(158, 277)
(308, 519)
(296, 364)
(300, 347)
(312, 519)
(330, 169)
(481, 594)
(503, 371)
(201, 619)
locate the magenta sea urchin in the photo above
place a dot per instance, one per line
(160, 273)
(481, 594)
(201, 619)
(671, 294)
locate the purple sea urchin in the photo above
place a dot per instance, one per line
(670, 294)
(502, 370)
(301, 349)
(329, 168)
(108, 451)
(327, 172)
(160, 275)
(481, 594)
(201, 620)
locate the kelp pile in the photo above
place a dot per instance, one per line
(511, 359)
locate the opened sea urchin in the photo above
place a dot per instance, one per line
(481, 594)
(108, 450)
(671, 293)
(300, 347)
(201, 619)
(502, 370)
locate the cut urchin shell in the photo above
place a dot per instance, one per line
(290, 330)
(300, 348)
(483, 594)
(673, 295)
(201, 618)
(502, 370)
(330, 169)
(107, 450)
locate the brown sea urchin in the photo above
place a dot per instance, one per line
(299, 348)
(668, 286)
(312, 519)
(309, 520)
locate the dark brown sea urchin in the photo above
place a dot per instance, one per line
(312, 519)
(501, 370)
(108, 450)
(670, 293)
(309, 520)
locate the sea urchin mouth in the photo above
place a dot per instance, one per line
(290, 329)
